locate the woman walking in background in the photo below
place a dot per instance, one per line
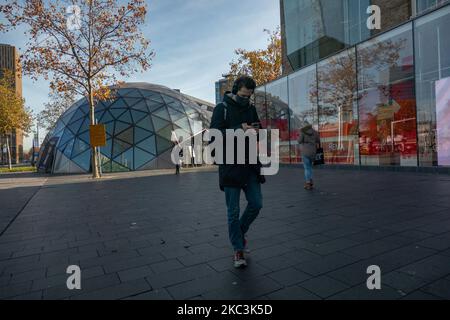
(309, 143)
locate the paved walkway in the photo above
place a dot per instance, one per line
(158, 236)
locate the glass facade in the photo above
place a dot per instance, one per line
(432, 50)
(424, 5)
(316, 29)
(338, 110)
(382, 102)
(387, 105)
(277, 114)
(139, 122)
(303, 106)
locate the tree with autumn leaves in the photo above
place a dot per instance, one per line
(81, 46)
(263, 65)
(13, 113)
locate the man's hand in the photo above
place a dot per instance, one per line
(246, 127)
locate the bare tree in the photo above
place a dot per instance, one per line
(81, 46)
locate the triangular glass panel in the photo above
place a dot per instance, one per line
(119, 104)
(159, 123)
(182, 134)
(106, 150)
(148, 145)
(152, 105)
(119, 147)
(110, 128)
(155, 97)
(177, 106)
(175, 115)
(163, 144)
(85, 108)
(65, 138)
(133, 94)
(166, 132)
(118, 168)
(79, 146)
(77, 115)
(85, 136)
(106, 167)
(107, 117)
(99, 115)
(151, 165)
(189, 109)
(146, 124)
(162, 113)
(168, 99)
(125, 92)
(67, 116)
(68, 148)
(58, 128)
(102, 106)
(83, 160)
(137, 115)
(141, 134)
(132, 101)
(183, 123)
(120, 126)
(117, 112)
(126, 135)
(75, 126)
(141, 157)
(126, 117)
(141, 106)
(85, 125)
(126, 159)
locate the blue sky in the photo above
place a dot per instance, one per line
(194, 41)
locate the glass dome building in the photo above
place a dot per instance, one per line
(139, 120)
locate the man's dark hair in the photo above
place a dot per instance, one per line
(244, 81)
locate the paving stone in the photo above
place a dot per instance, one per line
(159, 294)
(293, 293)
(360, 292)
(440, 288)
(200, 286)
(120, 291)
(175, 277)
(181, 249)
(247, 290)
(324, 286)
(289, 277)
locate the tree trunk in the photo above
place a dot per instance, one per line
(95, 168)
(9, 153)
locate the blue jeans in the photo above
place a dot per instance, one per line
(238, 227)
(307, 164)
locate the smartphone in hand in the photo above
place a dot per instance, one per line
(256, 125)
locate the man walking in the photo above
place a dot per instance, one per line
(237, 113)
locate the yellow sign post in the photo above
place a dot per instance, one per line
(98, 135)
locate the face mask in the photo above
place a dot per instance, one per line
(242, 101)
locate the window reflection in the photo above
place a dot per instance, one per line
(387, 107)
(303, 105)
(277, 114)
(432, 47)
(338, 116)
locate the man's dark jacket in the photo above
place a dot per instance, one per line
(234, 175)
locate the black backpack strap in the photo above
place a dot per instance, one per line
(225, 110)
